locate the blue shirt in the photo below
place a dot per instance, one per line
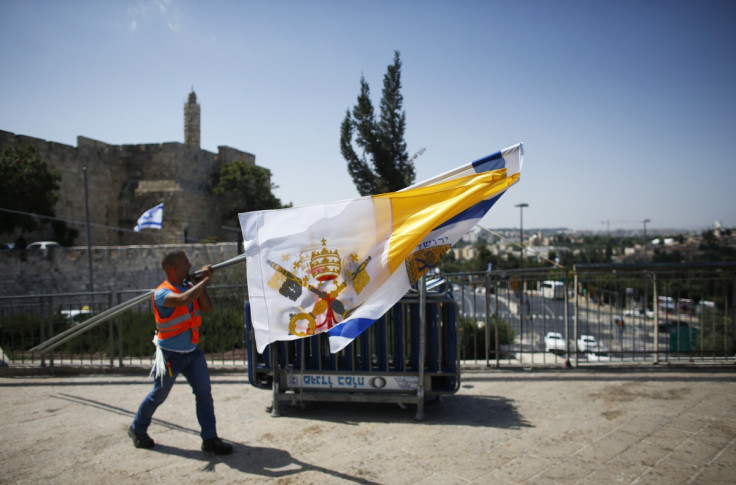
(177, 343)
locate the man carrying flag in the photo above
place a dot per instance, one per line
(151, 219)
(178, 306)
(338, 267)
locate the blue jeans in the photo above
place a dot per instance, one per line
(193, 366)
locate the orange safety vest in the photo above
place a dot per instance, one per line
(180, 320)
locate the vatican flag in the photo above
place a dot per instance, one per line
(338, 267)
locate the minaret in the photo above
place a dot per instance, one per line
(191, 121)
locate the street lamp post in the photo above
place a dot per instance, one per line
(89, 239)
(521, 265)
(645, 229)
(521, 232)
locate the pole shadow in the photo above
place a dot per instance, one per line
(258, 460)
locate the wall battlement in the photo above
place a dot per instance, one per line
(124, 181)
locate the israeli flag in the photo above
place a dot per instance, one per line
(151, 219)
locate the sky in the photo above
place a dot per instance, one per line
(627, 109)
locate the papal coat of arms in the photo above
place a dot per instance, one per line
(326, 275)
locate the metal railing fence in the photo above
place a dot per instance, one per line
(125, 339)
(605, 313)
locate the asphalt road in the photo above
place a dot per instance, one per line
(544, 315)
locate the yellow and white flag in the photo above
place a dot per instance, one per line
(337, 267)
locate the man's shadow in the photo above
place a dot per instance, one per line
(257, 460)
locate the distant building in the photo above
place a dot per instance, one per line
(125, 180)
(465, 252)
(472, 236)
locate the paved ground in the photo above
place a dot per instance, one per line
(594, 426)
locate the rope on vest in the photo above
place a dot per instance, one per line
(159, 363)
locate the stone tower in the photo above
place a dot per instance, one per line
(191, 121)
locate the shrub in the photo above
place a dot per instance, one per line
(473, 337)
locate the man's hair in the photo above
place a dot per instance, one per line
(171, 258)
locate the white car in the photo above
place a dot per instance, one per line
(587, 343)
(639, 312)
(44, 246)
(597, 357)
(554, 342)
(77, 316)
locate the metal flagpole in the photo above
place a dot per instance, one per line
(68, 334)
(59, 339)
(234, 260)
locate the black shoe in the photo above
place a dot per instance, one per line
(216, 445)
(140, 440)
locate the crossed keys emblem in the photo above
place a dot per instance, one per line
(328, 310)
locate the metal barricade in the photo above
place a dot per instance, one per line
(397, 360)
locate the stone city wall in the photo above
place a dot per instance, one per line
(66, 270)
(123, 181)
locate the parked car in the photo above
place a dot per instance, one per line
(555, 343)
(597, 357)
(587, 343)
(665, 325)
(639, 312)
(43, 246)
(77, 316)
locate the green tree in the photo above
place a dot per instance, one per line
(242, 187)
(473, 337)
(384, 165)
(64, 234)
(27, 185)
(483, 257)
